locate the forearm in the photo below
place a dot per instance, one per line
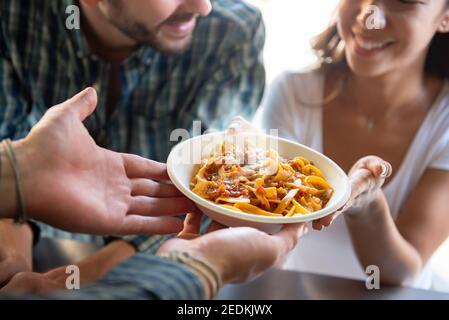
(94, 267)
(98, 265)
(143, 276)
(377, 241)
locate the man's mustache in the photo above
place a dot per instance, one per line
(180, 18)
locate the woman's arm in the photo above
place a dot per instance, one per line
(401, 248)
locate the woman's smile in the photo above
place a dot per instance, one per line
(368, 47)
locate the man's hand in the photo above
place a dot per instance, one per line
(15, 250)
(73, 184)
(238, 254)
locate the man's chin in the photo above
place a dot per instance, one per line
(172, 47)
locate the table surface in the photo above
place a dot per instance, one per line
(274, 285)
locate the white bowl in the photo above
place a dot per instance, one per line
(184, 162)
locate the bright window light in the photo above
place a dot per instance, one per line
(290, 25)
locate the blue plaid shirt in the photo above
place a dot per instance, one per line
(42, 63)
(143, 276)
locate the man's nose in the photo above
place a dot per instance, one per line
(200, 7)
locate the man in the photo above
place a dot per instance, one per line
(176, 272)
(157, 65)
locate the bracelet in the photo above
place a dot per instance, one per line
(21, 214)
(200, 266)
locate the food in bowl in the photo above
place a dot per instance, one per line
(260, 182)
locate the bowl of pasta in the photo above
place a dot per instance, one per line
(257, 180)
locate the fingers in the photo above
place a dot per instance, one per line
(147, 206)
(83, 103)
(135, 224)
(139, 167)
(192, 224)
(7, 271)
(362, 181)
(150, 188)
(323, 222)
(239, 124)
(31, 283)
(377, 166)
(288, 237)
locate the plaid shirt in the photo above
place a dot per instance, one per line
(143, 276)
(42, 63)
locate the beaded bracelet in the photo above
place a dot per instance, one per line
(200, 266)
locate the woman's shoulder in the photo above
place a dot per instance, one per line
(436, 131)
(440, 109)
(301, 88)
(301, 79)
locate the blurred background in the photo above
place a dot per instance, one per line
(290, 25)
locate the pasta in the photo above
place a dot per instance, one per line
(260, 182)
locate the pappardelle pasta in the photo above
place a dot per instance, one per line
(260, 182)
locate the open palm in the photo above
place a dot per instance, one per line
(73, 184)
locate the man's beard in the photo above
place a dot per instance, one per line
(143, 35)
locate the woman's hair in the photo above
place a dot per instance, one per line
(329, 48)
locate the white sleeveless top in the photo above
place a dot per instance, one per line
(330, 251)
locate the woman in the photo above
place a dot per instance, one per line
(381, 91)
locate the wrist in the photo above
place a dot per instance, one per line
(371, 205)
(206, 272)
(8, 203)
(19, 174)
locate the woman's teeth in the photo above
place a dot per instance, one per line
(371, 45)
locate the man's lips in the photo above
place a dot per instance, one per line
(179, 29)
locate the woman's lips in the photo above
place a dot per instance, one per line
(369, 47)
(180, 30)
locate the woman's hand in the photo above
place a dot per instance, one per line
(73, 184)
(238, 254)
(367, 177)
(241, 125)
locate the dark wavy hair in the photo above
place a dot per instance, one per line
(329, 48)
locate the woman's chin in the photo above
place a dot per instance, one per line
(366, 70)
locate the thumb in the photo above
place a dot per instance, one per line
(289, 236)
(83, 103)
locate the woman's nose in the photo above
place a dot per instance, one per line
(372, 15)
